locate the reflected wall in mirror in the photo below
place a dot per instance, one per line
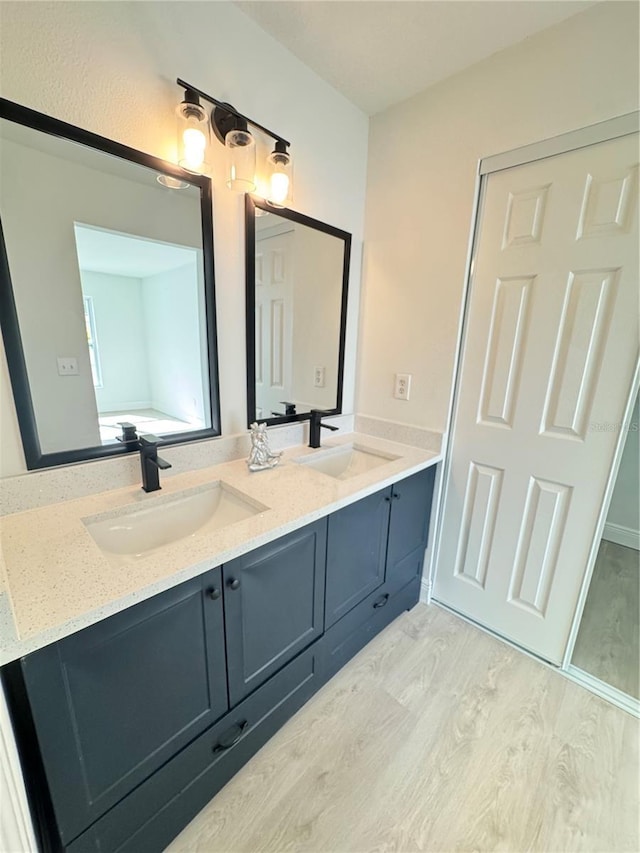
(106, 291)
(608, 643)
(297, 282)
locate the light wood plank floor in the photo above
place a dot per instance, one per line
(436, 737)
(608, 644)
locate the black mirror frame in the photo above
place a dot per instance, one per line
(10, 327)
(251, 202)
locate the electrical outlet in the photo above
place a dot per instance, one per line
(318, 377)
(68, 366)
(402, 387)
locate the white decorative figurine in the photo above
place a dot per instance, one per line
(261, 457)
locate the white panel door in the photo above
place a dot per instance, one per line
(551, 344)
(274, 322)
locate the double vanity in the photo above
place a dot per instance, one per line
(161, 639)
(152, 641)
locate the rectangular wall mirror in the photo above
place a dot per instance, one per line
(297, 283)
(106, 291)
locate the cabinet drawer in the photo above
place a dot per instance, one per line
(345, 639)
(152, 815)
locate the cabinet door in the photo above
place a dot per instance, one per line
(274, 606)
(356, 552)
(115, 701)
(409, 527)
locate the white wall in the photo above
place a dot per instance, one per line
(423, 158)
(111, 68)
(121, 335)
(173, 344)
(317, 262)
(624, 509)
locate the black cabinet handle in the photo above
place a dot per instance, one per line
(231, 736)
(381, 601)
(233, 583)
(214, 593)
(388, 499)
(396, 496)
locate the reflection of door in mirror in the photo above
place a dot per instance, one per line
(146, 347)
(298, 294)
(274, 318)
(607, 646)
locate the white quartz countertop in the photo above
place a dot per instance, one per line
(57, 580)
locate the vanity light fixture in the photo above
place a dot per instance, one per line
(231, 128)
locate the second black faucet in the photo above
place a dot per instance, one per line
(315, 424)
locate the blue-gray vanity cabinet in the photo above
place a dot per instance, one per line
(378, 544)
(356, 553)
(127, 728)
(112, 703)
(384, 536)
(274, 604)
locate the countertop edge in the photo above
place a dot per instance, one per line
(13, 647)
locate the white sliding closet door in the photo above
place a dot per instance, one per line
(551, 343)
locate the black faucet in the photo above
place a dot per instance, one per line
(151, 463)
(315, 423)
(289, 409)
(129, 436)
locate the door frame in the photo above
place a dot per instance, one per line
(603, 131)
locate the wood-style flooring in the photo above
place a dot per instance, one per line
(436, 737)
(608, 644)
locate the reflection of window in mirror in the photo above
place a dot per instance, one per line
(142, 309)
(92, 341)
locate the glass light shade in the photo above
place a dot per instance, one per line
(280, 178)
(241, 153)
(193, 136)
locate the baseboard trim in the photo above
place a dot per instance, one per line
(425, 590)
(626, 536)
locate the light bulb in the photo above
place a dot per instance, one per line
(241, 153)
(195, 144)
(279, 187)
(279, 165)
(193, 133)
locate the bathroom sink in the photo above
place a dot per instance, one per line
(345, 461)
(133, 532)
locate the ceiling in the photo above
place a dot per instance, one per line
(380, 52)
(127, 255)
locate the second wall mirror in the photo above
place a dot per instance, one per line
(297, 284)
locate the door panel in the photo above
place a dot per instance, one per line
(113, 702)
(551, 343)
(356, 553)
(274, 318)
(410, 517)
(274, 606)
